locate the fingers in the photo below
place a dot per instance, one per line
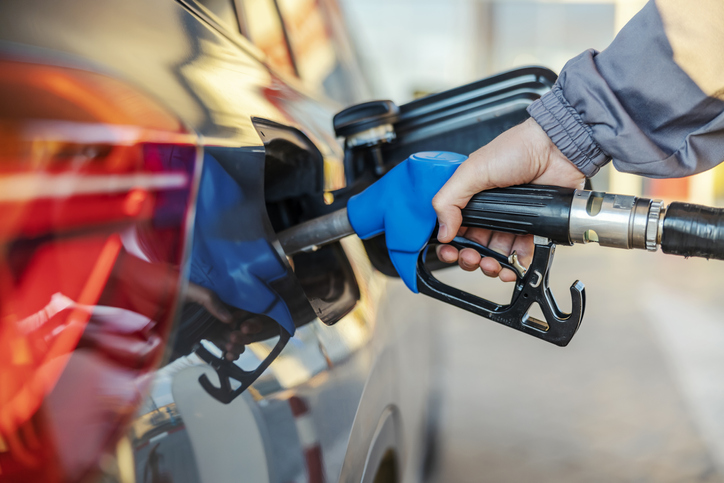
(447, 253)
(468, 259)
(233, 351)
(524, 249)
(504, 243)
(237, 340)
(209, 300)
(501, 243)
(479, 235)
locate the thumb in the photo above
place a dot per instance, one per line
(452, 198)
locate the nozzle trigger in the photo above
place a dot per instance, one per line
(531, 287)
(227, 370)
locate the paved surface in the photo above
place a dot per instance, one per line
(638, 396)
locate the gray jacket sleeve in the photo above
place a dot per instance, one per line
(634, 104)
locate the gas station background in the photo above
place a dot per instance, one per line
(414, 47)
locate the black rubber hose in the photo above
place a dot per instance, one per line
(693, 231)
(522, 210)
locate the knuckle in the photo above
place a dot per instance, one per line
(465, 265)
(438, 203)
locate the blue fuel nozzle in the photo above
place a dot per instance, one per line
(400, 204)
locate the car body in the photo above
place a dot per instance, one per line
(150, 152)
(237, 132)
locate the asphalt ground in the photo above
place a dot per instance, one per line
(638, 395)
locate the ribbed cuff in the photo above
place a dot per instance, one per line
(568, 131)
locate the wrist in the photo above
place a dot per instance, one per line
(567, 130)
(553, 166)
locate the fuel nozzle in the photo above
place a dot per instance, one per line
(567, 216)
(400, 205)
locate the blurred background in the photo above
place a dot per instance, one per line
(413, 47)
(638, 395)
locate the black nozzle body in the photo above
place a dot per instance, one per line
(523, 210)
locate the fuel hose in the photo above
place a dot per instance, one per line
(693, 231)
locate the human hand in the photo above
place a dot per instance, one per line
(235, 341)
(523, 154)
(209, 300)
(240, 327)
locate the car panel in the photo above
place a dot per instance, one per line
(315, 414)
(96, 198)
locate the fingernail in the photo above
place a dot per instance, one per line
(442, 231)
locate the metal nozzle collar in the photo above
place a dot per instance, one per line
(656, 213)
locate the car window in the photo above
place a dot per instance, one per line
(264, 28)
(310, 40)
(224, 10)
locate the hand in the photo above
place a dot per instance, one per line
(208, 300)
(234, 342)
(241, 327)
(523, 154)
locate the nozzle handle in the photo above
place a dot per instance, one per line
(523, 210)
(693, 231)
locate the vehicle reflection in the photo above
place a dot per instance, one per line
(160, 444)
(87, 302)
(95, 188)
(283, 425)
(96, 203)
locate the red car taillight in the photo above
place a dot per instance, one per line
(96, 186)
